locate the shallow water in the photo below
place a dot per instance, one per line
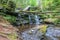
(32, 33)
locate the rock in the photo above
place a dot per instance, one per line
(50, 20)
(1, 7)
(34, 33)
(53, 33)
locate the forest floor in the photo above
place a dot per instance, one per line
(7, 30)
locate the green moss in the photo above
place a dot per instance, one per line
(12, 36)
(9, 18)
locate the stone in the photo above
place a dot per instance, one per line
(34, 33)
(53, 33)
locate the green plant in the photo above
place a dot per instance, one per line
(9, 18)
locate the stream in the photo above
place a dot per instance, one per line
(52, 33)
(33, 31)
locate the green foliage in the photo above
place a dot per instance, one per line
(3, 1)
(9, 18)
(24, 3)
(12, 36)
(11, 6)
(51, 5)
(33, 2)
(48, 5)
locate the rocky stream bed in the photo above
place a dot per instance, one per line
(28, 32)
(41, 32)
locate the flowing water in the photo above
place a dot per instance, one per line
(37, 19)
(30, 19)
(32, 33)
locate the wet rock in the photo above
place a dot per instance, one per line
(33, 34)
(50, 20)
(1, 8)
(53, 33)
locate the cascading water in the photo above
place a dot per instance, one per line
(30, 19)
(37, 19)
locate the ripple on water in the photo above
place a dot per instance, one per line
(53, 33)
(32, 34)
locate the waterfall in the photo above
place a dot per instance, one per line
(30, 20)
(37, 19)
